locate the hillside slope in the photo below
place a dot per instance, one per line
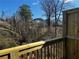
(7, 36)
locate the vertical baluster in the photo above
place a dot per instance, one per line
(54, 51)
(33, 55)
(41, 53)
(57, 50)
(78, 47)
(24, 56)
(45, 52)
(21, 57)
(37, 52)
(60, 50)
(63, 49)
(28, 57)
(48, 54)
(51, 51)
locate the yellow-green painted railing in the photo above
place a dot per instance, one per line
(38, 50)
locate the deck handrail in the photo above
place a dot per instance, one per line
(13, 53)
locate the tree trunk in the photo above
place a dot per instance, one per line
(55, 23)
(49, 25)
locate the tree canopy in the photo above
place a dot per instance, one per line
(25, 12)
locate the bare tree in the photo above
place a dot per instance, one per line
(47, 7)
(53, 9)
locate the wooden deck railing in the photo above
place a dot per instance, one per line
(50, 49)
